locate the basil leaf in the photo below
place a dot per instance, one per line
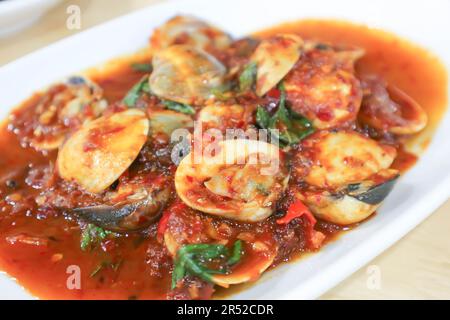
(248, 77)
(206, 251)
(289, 126)
(198, 270)
(262, 117)
(142, 67)
(136, 92)
(236, 253)
(178, 273)
(191, 258)
(92, 235)
(85, 240)
(175, 106)
(222, 92)
(105, 265)
(97, 269)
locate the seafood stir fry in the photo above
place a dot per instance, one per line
(224, 159)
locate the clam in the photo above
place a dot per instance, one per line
(241, 180)
(348, 175)
(185, 74)
(128, 216)
(274, 58)
(191, 31)
(386, 107)
(258, 251)
(61, 108)
(167, 121)
(335, 159)
(221, 116)
(259, 257)
(355, 202)
(324, 88)
(101, 150)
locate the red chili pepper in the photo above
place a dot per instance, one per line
(296, 210)
(162, 225)
(274, 93)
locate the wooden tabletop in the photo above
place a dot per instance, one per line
(417, 267)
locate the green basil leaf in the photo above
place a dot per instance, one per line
(85, 240)
(197, 269)
(142, 67)
(104, 265)
(178, 273)
(262, 117)
(236, 253)
(289, 126)
(91, 236)
(222, 92)
(136, 92)
(206, 251)
(97, 269)
(248, 77)
(175, 106)
(191, 258)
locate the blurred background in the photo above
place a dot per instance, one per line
(414, 268)
(27, 25)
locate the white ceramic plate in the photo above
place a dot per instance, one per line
(16, 15)
(415, 197)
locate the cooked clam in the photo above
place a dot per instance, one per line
(126, 216)
(258, 251)
(341, 158)
(167, 121)
(353, 203)
(386, 107)
(260, 257)
(185, 74)
(348, 175)
(222, 116)
(240, 180)
(191, 31)
(97, 154)
(274, 58)
(323, 87)
(62, 108)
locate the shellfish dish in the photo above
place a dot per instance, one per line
(204, 160)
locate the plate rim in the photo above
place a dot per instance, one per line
(365, 251)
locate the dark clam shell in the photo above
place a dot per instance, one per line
(124, 217)
(376, 194)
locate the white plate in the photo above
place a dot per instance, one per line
(16, 15)
(415, 197)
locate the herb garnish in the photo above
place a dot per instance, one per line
(236, 253)
(289, 126)
(136, 92)
(222, 92)
(248, 77)
(92, 235)
(179, 107)
(191, 260)
(142, 67)
(105, 265)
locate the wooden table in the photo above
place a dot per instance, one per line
(417, 267)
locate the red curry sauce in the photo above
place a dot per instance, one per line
(141, 271)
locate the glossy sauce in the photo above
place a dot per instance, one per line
(42, 270)
(401, 63)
